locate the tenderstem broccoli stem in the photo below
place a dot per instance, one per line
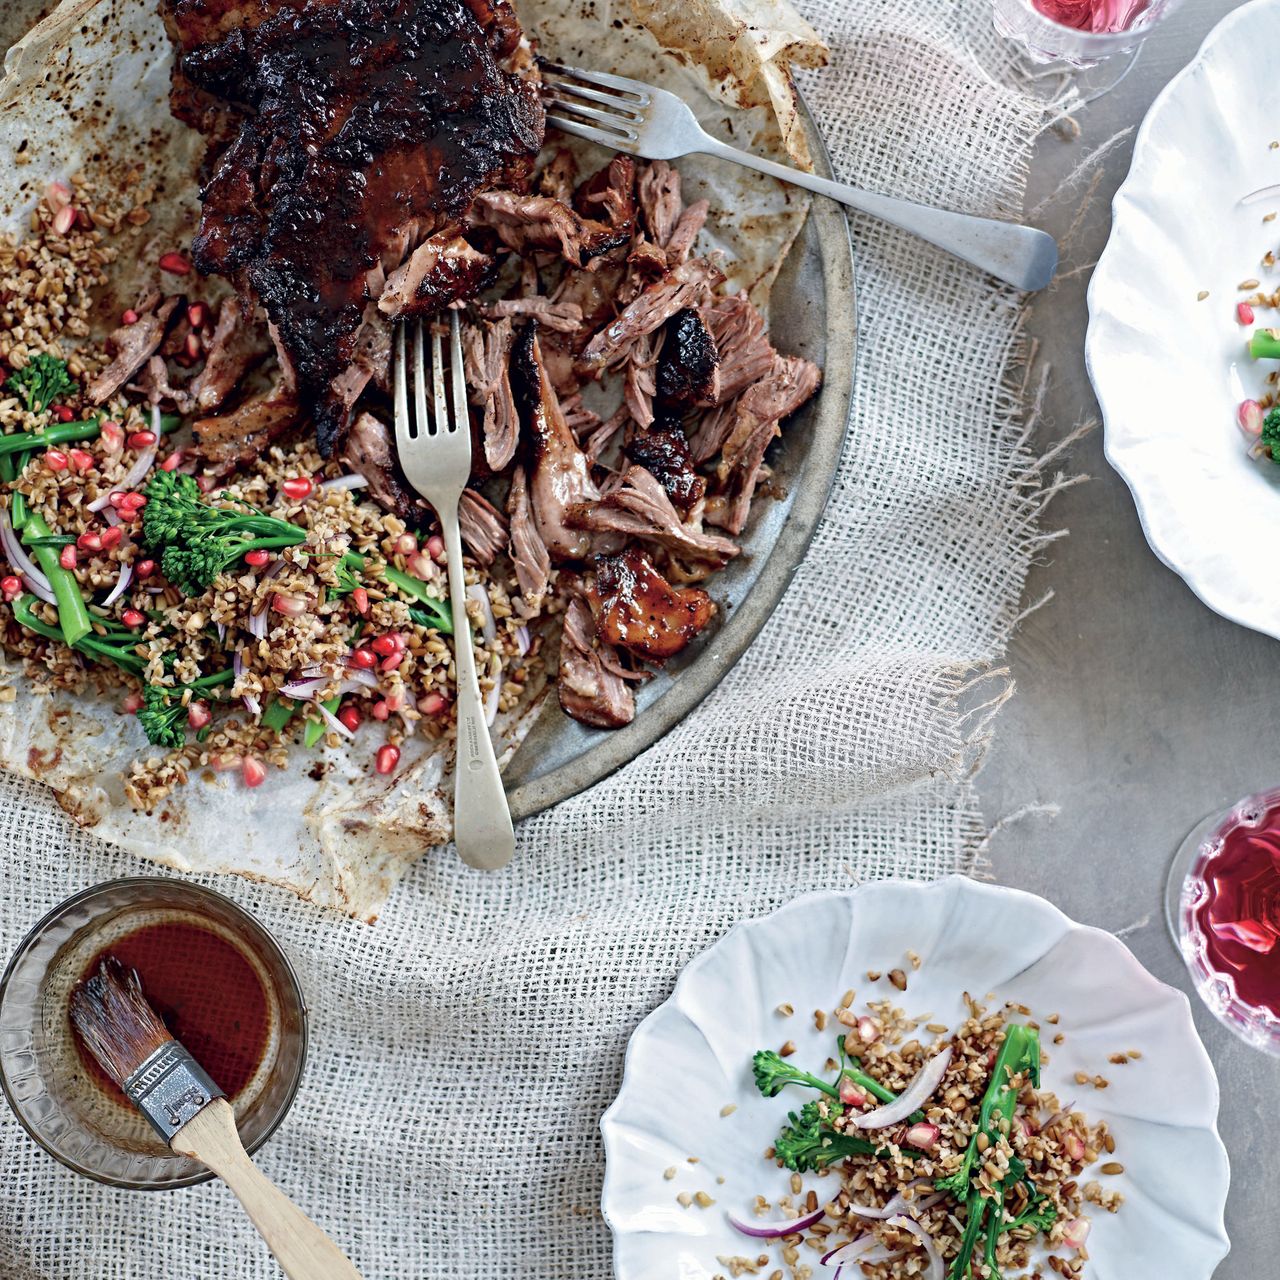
(68, 433)
(1265, 345)
(73, 616)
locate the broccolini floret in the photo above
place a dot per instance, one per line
(811, 1141)
(40, 382)
(773, 1073)
(163, 714)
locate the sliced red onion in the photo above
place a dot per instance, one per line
(776, 1230)
(523, 641)
(1262, 193)
(491, 701)
(304, 690)
(122, 584)
(354, 686)
(851, 1251)
(38, 590)
(1062, 1114)
(237, 664)
(102, 503)
(488, 628)
(220, 630)
(144, 462)
(251, 704)
(361, 676)
(912, 1098)
(17, 556)
(936, 1269)
(899, 1204)
(339, 483)
(257, 625)
(332, 721)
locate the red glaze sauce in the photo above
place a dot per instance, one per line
(1239, 915)
(208, 994)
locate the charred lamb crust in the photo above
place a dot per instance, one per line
(312, 198)
(689, 366)
(663, 451)
(637, 609)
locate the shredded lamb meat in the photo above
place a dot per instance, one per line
(589, 690)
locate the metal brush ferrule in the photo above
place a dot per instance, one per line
(169, 1088)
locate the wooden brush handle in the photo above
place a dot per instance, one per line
(301, 1248)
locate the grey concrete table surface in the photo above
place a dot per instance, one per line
(1137, 710)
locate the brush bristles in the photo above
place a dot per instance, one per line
(113, 1019)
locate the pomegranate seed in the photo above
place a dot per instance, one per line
(141, 439)
(297, 487)
(435, 548)
(290, 606)
(223, 763)
(197, 314)
(89, 541)
(67, 556)
(850, 1094)
(421, 566)
(1073, 1146)
(63, 413)
(112, 436)
(257, 558)
(204, 484)
(350, 715)
(55, 459)
(198, 715)
(868, 1030)
(364, 658)
(192, 346)
(432, 704)
(391, 663)
(11, 586)
(64, 219)
(81, 460)
(57, 195)
(131, 503)
(132, 618)
(129, 317)
(394, 701)
(380, 710)
(132, 704)
(253, 771)
(406, 544)
(383, 646)
(923, 1136)
(112, 536)
(360, 598)
(144, 569)
(399, 641)
(176, 264)
(1249, 416)
(1244, 313)
(172, 461)
(115, 497)
(387, 758)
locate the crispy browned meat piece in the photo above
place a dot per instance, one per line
(689, 366)
(559, 475)
(440, 270)
(589, 690)
(234, 438)
(757, 414)
(663, 451)
(539, 222)
(236, 346)
(368, 450)
(640, 508)
(638, 610)
(131, 346)
(609, 196)
(528, 554)
(367, 126)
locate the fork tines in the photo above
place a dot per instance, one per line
(440, 420)
(620, 102)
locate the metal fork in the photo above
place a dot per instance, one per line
(435, 453)
(629, 115)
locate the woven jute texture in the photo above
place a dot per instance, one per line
(464, 1047)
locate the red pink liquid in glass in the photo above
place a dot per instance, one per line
(1092, 15)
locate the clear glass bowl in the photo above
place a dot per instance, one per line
(41, 1071)
(1185, 890)
(1048, 41)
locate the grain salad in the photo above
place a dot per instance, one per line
(928, 1152)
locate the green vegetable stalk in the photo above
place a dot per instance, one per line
(316, 727)
(1265, 344)
(68, 433)
(41, 381)
(73, 617)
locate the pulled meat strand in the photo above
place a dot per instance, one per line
(482, 526)
(235, 347)
(487, 355)
(589, 690)
(131, 346)
(528, 553)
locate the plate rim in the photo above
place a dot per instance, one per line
(1204, 590)
(618, 747)
(950, 883)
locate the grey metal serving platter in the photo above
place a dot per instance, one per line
(812, 313)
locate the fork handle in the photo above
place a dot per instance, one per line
(1018, 255)
(482, 827)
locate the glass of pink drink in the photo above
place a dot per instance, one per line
(1223, 907)
(1092, 44)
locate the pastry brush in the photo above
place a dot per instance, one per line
(120, 1029)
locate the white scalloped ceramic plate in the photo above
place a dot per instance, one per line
(1169, 370)
(692, 1056)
